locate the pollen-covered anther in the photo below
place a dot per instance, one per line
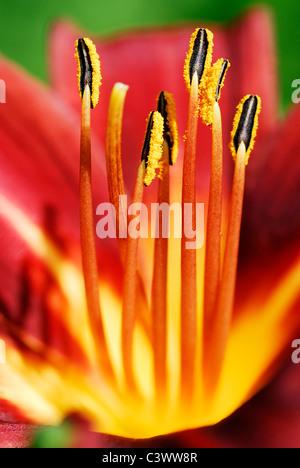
(153, 146)
(245, 125)
(88, 69)
(166, 107)
(210, 87)
(199, 56)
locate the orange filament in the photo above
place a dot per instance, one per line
(113, 159)
(116, 188)
(225, 297)
(87, 231)
(130, 284)
(188, 256)
(213, 232)
(159, 286)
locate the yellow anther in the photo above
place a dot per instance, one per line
(210, 87)
(153, 146)
(88, 68)
(199, 56)
(245, 125)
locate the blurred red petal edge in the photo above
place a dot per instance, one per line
(10, 414)
(39, 159)
(37, 122)
(16, 435)
(271, 419)
(84, 437)
(254, 63)
(273, 205)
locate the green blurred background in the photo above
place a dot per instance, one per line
(24, 25)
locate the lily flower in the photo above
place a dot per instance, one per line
(88, 327)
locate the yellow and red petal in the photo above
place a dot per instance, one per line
(39, 207)
(271, 419)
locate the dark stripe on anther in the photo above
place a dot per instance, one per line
(146, 147)
(221, 77)
(245, 126)
(197, 62)
(86, 70)
(168, 137)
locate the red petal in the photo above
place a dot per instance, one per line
(270, 420)
(273, 198)
(254, 66)
(15, 435)
(40, 151)
(39, 158)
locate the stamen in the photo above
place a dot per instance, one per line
(188, 256)
(213, 234)
(211, 114)
(199, 57)
(225, 298)
(151, 156)
(114, 161)
(159, 287)
(88, 247)
(245, 124)
(153, 146)
(129, 292)
(88, 69)
(198, 61)
(211, 86)
(166, 106)
(116, 188)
